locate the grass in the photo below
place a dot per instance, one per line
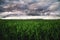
(29, 29)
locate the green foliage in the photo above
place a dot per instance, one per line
(30, 29)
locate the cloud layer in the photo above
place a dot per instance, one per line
(30, 8)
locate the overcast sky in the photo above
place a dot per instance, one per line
(35, 0)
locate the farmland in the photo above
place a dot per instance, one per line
(30, 29)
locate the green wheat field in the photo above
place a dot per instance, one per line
(29, 29)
